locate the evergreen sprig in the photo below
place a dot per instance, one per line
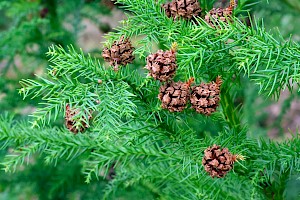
(158, 158)
(272, 64)
(73, 79)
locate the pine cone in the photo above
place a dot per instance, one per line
(162, 65)
(219, 14)
(174, 96)
(205, 98)
(120, 53)
(70, 122)
(218, 162)
(182, 8)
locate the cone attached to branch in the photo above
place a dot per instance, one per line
(174, 96)
(70, 122)
(220, 14)
(120, 53)
(205, 97)
(162, 64)
(186, 9)
(218, 162)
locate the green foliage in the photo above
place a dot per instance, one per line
(73, 80)
(173, 159)
(150, 146)
(254, 52)
(26, 35)
(35, 25)
(281, 15)
(63, 181)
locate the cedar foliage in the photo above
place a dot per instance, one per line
(147, 144)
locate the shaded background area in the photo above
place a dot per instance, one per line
(29, 27)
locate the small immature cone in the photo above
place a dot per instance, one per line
(120, 53)
(218, 162)
(186, 9)
(162, 65)
(70, 122)
(174, 96)
(205, 97)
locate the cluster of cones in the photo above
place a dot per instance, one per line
(204, 98)
(162, 66)
(175, 96)
(188, 9)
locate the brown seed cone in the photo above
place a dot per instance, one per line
(162, 65)
(70, 122)
(120, 53)
(205, 97)
(218, 162)
(182, 8)
(174, 96)
(219, 14)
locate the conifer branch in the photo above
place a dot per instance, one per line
(134, 150)
(145, 143)
(73, 80)
(272, 64)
